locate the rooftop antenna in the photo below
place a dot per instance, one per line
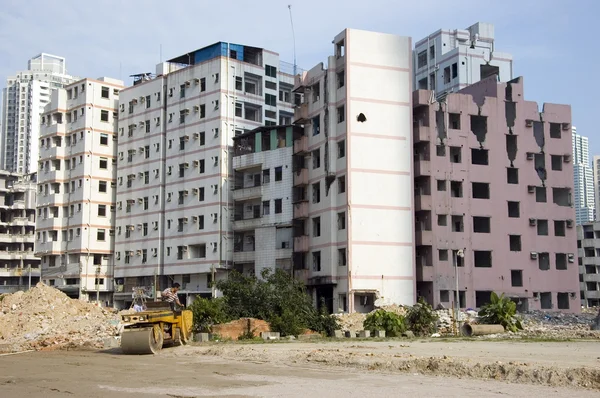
(293, 36)
(160, 60)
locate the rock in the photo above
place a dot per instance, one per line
(201, 337)
(270, 335)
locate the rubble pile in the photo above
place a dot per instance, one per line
(45, 318)
(354, 322)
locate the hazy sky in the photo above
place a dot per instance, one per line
(551, 40)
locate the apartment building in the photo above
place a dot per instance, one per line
(19, 268)
(449, 60)
(352, 195)
(77, 188)
(262, 199)
(588, 253)
(493, 178)
(176, 129)
(23, 100)
(583, 175)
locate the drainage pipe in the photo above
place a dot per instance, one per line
(480, 330)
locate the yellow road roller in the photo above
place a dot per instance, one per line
(148, 331)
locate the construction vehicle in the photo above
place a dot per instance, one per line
(158, 325)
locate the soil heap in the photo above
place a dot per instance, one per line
(46, 318)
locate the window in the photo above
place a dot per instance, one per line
(341, 184)
(316, 192)
(516, 278)
(341, 114)
(555, 130)
(542, 227)
(514, 210)
(104, 93)
(512, 175)
(145, 203)
(182, 141)
(341, 221)
(201, 194)
(181, 197)
(455, 154)
(201, 166)
(442, 220)
(340, 79)
(481, 190)
(557, 162)
(101, 235)
(441, 185)
(316, 224)
(278, 173)
(544, 261)
(104, 116)
(482, 258)
(454, 70)
(266, 207)
(182, 167)
(316, 261)
(278, 206)
(201, 222)
(456, 190)
(103, 139)
(457, 224)
(238, 83)
(103, 163)
(440, 150)
(481, 225)
(540, 194)
(342, 257)
(447, 78)
(422, 59)
(559, 228)
(443, 255)
(514, 243)
(182, 91)
(270, 71)
(101, 210)
(270, 99)
(479, 156)
(561, 261)
(202, 113)
(147, 101)
(147, 126)
(341, 149)
(266, 176)
(202, 84)
(102, 186)
(202, 137)
(316, 158)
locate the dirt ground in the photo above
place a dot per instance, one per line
(437, 368)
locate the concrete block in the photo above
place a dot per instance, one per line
(379, 333)
(350, 335)
(310, 336)
(111, 342)
(270, 335)
(338, 334)
(201, 337)
(363, 334)
(408, 334)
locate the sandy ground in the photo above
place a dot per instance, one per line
(300, 369)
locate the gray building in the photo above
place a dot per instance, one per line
(588, 248)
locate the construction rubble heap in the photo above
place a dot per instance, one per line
(45, 318)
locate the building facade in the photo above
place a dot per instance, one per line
(583, 175)
(493, 178)
(352, 195)
(19, 268)
(588, 247)
(77, 189)
(174, 206)
(23, 100)
(596, 173)
(262, 199)
(448, 60)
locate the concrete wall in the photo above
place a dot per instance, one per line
(588, 253)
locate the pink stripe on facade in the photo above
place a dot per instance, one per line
(375, 171)
(377, 101)
(384, 67)
(375, 243)
(379, 136)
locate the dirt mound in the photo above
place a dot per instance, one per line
(234, 329)
(44, 317)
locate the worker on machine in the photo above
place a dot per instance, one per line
(170, 296)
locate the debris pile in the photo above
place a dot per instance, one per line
(45, 318)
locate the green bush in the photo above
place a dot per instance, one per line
(421, 319)
(208, 312)
(500, 311)
(393, 324)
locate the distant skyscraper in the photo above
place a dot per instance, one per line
(23, 100)
(596, 167)
(583, 179)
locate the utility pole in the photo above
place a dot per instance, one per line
(293, 37)
(29, 276)
(459, 253)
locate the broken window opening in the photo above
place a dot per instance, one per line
(479, 127)
(538, 133)
(511, 148)
(442, 220)
(561, 196)
(447, 78)
(510, 112)
(441, 185)
(440, 150)
(540, 165)
(560, 228)
(562, 301)
(440, 121)
(487, 70)
(546, 300)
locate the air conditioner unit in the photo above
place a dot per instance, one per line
(216, 133)
(142, 99)
(569, 223)
(196, 81)
(214, 246)
(138, 252)
(529, 123)
(188, 83)
(195, 191)
(196, 163)
(134, 101)
(530, 155)
(215, 160)
(571, 257)
(186, 111)
(140, 174)
(155, 226)
(196, 136)
(532, 222)
(186, 165)
(186, 138)
(215, 189)
(131, 227)
(156, 173)
(533, 255)
(140, 226)
(215, 217)
(115, 138)
(531, 188)
(185, 220)
(141, 124)
(196, 108)
(157, 120)
(140, 200)
(566, 126)
(566, 158)
(194, 218)
(185, 193)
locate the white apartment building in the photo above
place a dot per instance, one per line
(77, 188)
(19, 268)
(174, 202)
(588, 247)
(449, 60)
(353, 187)
(262, 198)
(583, 179)
(23, 100)
(596, 172)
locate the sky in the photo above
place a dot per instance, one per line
(117, 38)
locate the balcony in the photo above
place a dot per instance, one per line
(423, 202)
(422, 168)
(424, 238)
(424, 273)
(591, 277)
(244, 257)
(54, 129)
(301, 114)
(301, 177)
(16, 272)
(242, 224)
(301, 210)
(420, 132)
(247, 193)
(17, 255)
(301, 244)
(301, 145)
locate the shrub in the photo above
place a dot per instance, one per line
(393, 324)
(500, 310)
(421, 319)
(208, 312)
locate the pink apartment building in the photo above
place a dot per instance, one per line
(494, 178)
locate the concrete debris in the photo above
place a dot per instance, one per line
(45, 318)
